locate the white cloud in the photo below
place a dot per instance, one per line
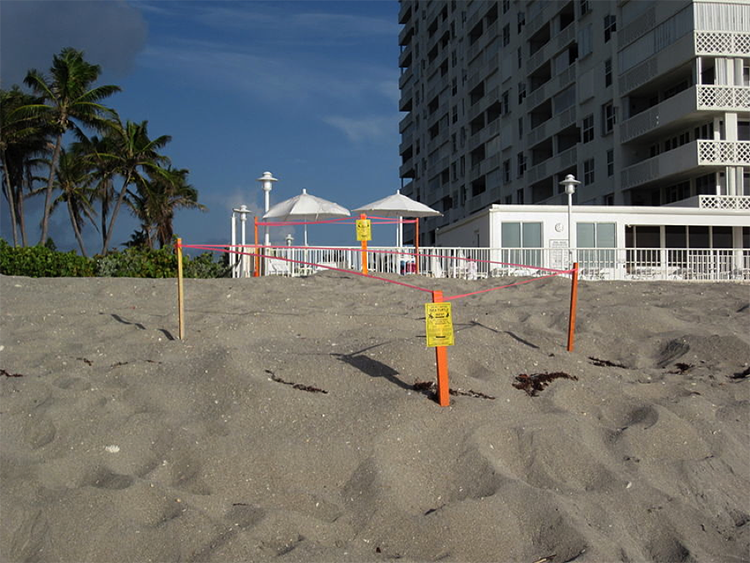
(364, 129)
(296, 26)
(276, 78)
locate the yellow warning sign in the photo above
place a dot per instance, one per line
(439, 321)
(364, 229)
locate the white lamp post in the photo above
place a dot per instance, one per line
(267, 180)
(570, 184)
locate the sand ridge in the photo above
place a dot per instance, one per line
(121, 443)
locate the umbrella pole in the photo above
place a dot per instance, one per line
(416, 246)
(256, 270)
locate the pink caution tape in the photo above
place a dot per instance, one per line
(226, 248)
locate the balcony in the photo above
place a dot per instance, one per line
(405, 12)
(405, 78)
(405, 123)
(555, 164)
(722, 43)
(685, 105)
(685, 160)
(740, 202)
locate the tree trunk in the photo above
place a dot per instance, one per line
(10, 195)
(76, 229)
(50, 184)
(115, 211)
(105, 191)
(21, 199)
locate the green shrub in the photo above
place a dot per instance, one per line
(41, 261)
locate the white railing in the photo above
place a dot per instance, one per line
(687, 264)
(724, 201)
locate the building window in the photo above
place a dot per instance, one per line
(506, 6)
(610, 163)
(521, 92)
(609, 199)
(506, 102)
(521, 164)
(519, 196)
(520, 57)
(585, 7)
(455, 114)
(609, 117)
(521, 21)
(610, 26)
(596, 236)
(520, 127)
(608, 73)
(508, 199)
(588, 128)
(506, 171)
(454, 86)
(588, 172)
(506, 35)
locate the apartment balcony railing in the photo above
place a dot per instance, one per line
(741, 202)
(405, 123)
(723, 43)
(553, 164)
(702, 97)
(406, 5)
(405, 78)
(684, 158)
(637, 28)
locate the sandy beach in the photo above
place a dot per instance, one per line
(287, 425)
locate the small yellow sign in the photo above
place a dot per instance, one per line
(364, 229)
(439, 321)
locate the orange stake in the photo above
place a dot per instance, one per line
(573, 303)
(180, 293)
(363, 217)
(441, 358)
(256, 270)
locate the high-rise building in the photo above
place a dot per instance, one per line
(646, 102)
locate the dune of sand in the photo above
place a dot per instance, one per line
(287, 425)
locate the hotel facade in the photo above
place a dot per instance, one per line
(645, 102)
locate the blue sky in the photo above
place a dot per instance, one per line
(307, 90)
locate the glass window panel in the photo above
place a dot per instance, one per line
(722, 237)
(675, 236)
(586, 235)
(605, 235)
(532, 235)
(511, 233)
(647, 237)
(699, 237)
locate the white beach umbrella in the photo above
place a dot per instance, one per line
(306, 207)
(398, 205)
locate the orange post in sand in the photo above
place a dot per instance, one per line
(363, 217)
(416, 246)
(441, 358)
(256, 269)
(180, 293)
(573, 303)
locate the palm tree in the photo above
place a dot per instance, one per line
(156, 201)
(68, 99)
(74, 179)
(103, 170)
(131, 154)
(22, 141)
